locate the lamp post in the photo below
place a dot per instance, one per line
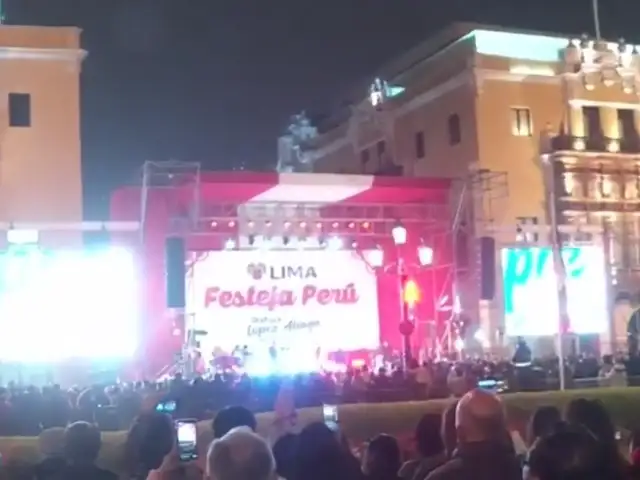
(406, 324)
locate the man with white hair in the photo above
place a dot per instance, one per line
(240, 455)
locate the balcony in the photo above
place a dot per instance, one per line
(596, 144)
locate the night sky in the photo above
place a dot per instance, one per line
(215, 81)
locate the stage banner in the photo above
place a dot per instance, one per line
(317, 299)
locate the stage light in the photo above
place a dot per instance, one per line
(366, 225)
(335, 224)
(230, 244)
(21, 237)
(214, 224)
(351, 225)
(399, 234)
(303, 224)
(251, 224)
(425, 255)
(375, 257)
(267, 223)
(335, 243)
(231, 224)
(319, 225)
(354, 244)
(287, 224)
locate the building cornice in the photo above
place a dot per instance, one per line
(484, 74)
(55, 54)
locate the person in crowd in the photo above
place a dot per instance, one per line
(429, 446)
(82, 442)
(382, 458)
(592, 415)
(448, 429)
(240, 454)
(543, 422)
(570, 453)
(284, 454)
(634, 452)
(51, 446)
(232, 417)
(320, 456)
(150, 439)
(485, 450)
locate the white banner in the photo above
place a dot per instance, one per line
(314, 298)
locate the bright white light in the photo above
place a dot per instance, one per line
(374, 258)
(17, 236)
(334, 243)
(425, 255)
(230, 244)
(399, 234)
(481, 338)
(459, 344)
(69, 305)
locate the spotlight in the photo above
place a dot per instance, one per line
(214, 224)
(231, 224)
(250, 224)
(335, 224)
(319, 225)
(354, 244)
(267, 223)
(351, 225)
(230, 244)
(303, 224)
(287, 224)
(335, 243)
(366, 225)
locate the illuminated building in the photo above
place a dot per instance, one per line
(475, 99)
(40, 161)
(278, 241)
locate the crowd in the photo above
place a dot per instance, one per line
(27, 411)
(470, 440)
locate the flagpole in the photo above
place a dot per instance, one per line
(596, 19)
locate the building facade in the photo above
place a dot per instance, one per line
(40, 158)
(558, 116)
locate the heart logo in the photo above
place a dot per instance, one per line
(256, 270)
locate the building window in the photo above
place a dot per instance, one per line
(521, 125)
(627, 125)
(19, 110)
(419, 145)
(592, 122)
(455, 135)
(364, 156)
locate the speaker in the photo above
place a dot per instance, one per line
(487, 268)
(175, 272)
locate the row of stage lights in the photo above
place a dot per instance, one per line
(302, 225)
(267, 243)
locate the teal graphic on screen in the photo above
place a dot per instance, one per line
(530, 290)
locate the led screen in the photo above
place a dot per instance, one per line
(71, 304)
(530, 290)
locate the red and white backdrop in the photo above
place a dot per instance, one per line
(328, 296)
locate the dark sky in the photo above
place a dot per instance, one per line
(215, 81)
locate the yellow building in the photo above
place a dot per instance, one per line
(40, 158)
(555, 114)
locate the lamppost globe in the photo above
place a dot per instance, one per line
(425, 255)
(399, 234)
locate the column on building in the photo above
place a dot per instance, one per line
(576, 121)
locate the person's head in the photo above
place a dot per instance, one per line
(232, 417)
(428, 439)
(382, 457)
(321, 455)
(82, 442)
(240, 454)
(284, 452)
(570, 453)
(51, 442)
(480, 417)
(543, 422)
(592, 415)
(448, 429)
(150, 439)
